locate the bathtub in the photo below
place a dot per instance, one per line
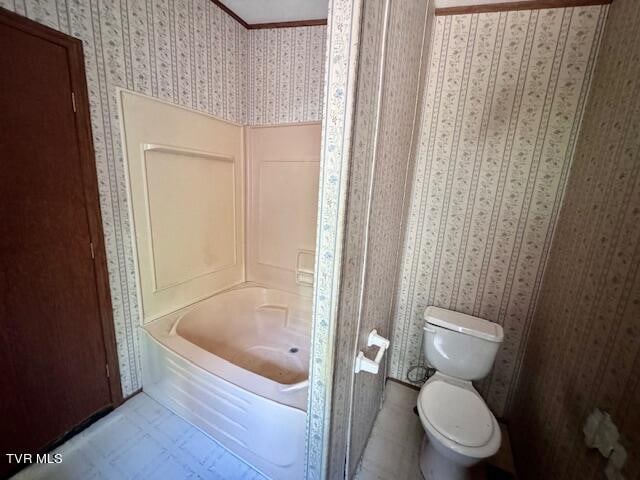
(236, 366)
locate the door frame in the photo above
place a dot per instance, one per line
(343, 42)
(75, 55)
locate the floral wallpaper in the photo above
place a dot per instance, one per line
(343, 35)
(374, 18)
(187, 52)
(286, 74)
(391, 78)
(501, 114)
(583, 349)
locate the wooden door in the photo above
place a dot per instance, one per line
(57, 353)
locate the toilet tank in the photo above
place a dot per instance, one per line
(460, 345)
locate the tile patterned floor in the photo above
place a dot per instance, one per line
(142, 440)
(393, 450)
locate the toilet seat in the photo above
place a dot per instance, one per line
(458, 417)
(457, 413)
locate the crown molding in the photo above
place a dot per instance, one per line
(521, 5)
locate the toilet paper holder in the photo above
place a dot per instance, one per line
(364, 364)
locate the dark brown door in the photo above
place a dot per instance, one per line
(55, 335)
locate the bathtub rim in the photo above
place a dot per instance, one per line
(163, 331)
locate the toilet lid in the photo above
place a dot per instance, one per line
(457, 413)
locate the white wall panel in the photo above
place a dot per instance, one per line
(283, 166)
(186, 178)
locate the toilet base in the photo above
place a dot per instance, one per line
(435, 466)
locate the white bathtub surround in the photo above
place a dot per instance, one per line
(194, 183)
(142, 439)
(186, 192)
(236, 366)
(283, 166)
(229, 357)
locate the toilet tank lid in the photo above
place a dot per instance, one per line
(463, 323)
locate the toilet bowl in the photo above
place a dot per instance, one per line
(460, 430)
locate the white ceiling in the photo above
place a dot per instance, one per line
(269, 11)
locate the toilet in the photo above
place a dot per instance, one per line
(460, 430)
